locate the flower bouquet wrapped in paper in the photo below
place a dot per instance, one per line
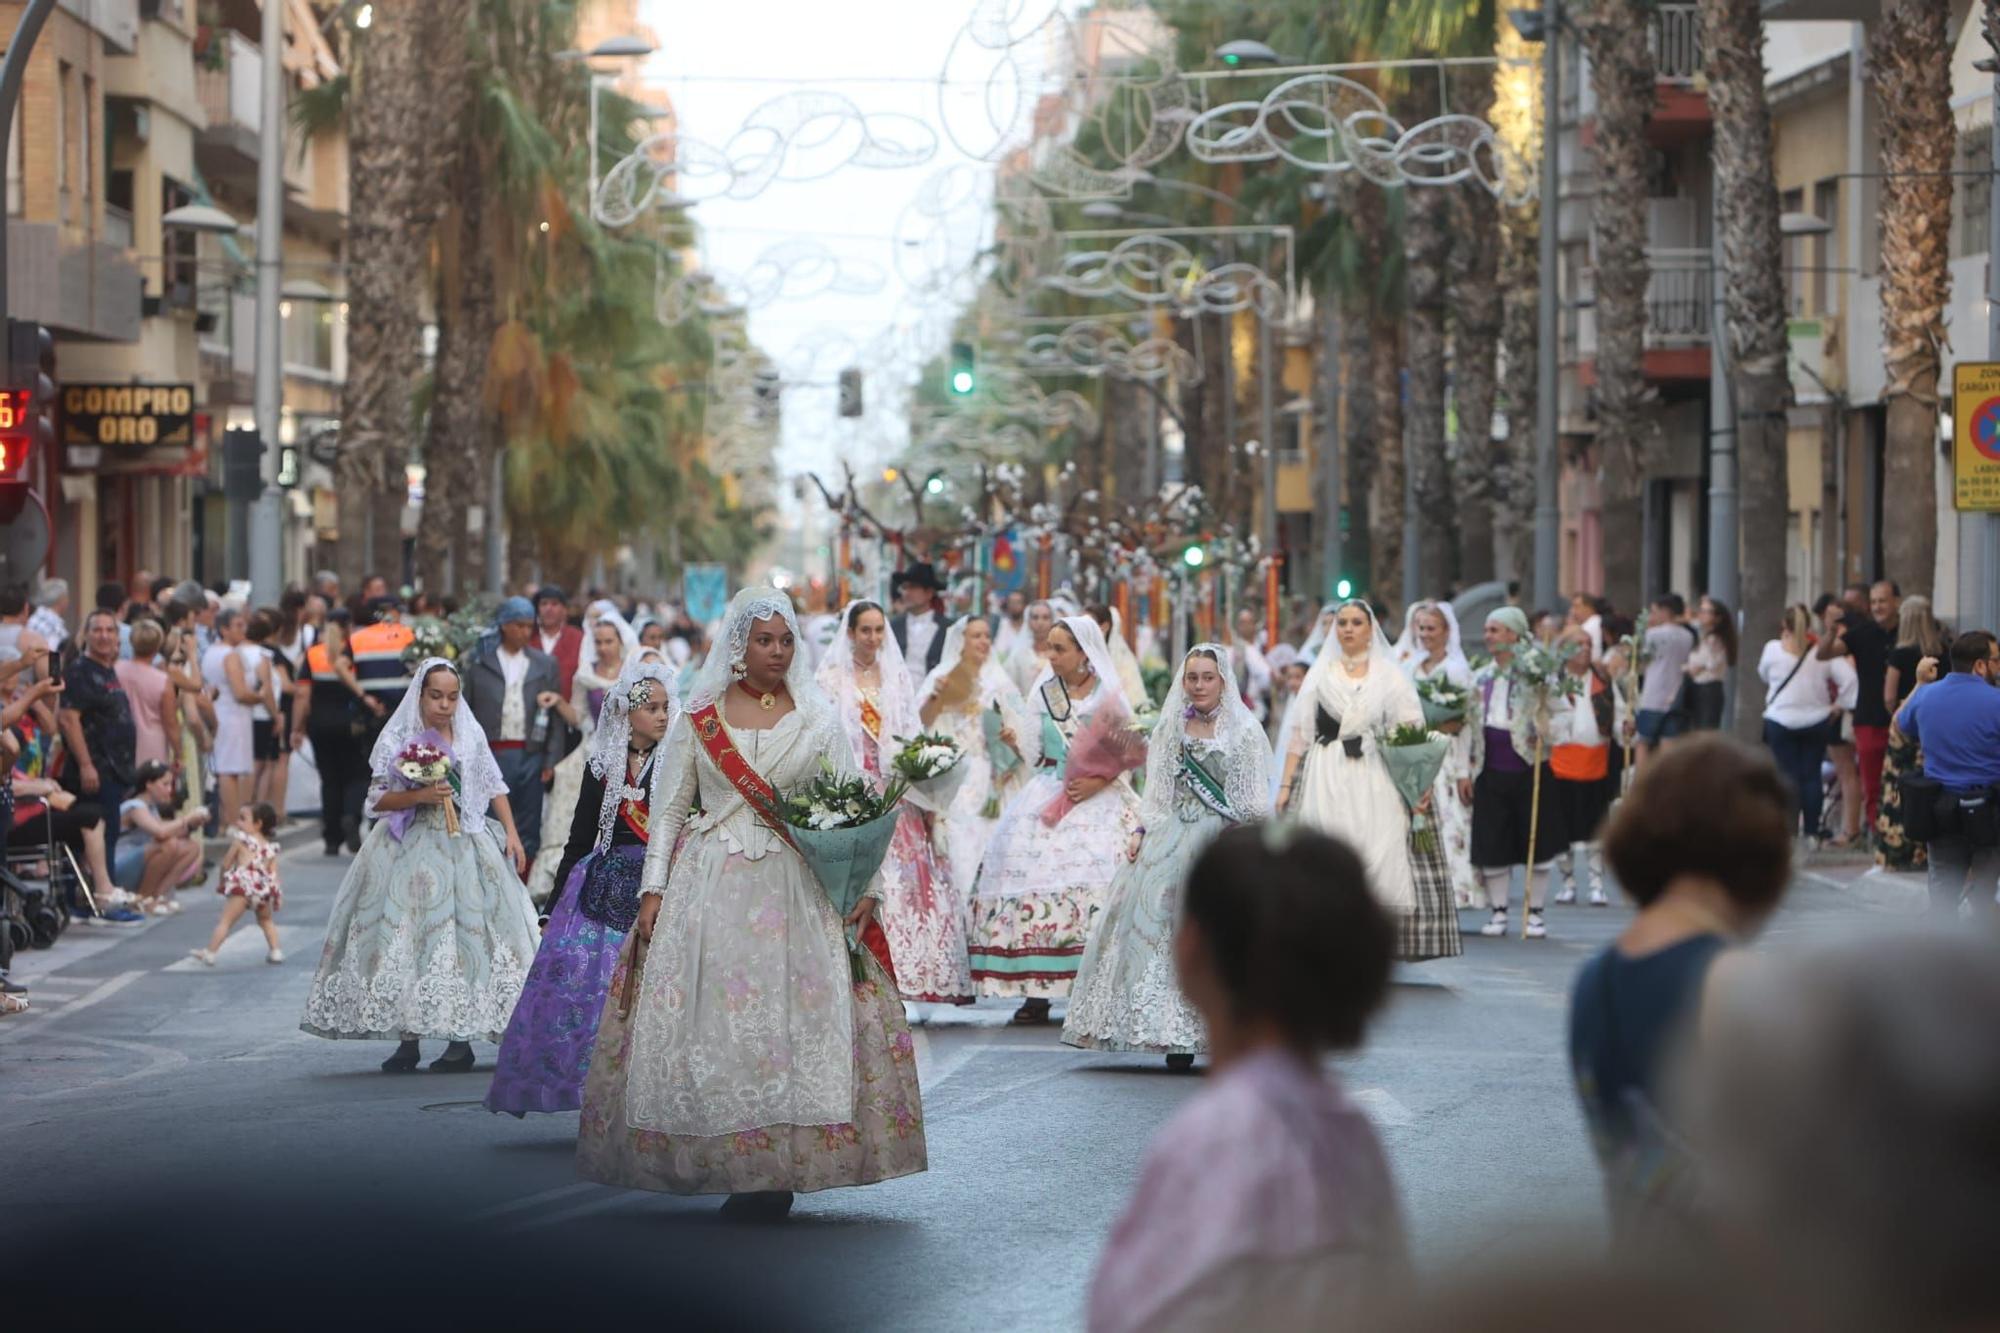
(932, 765)
(1414, 755)
(1443, 700)
(842, 829)
(1107, 745)
(425, 762)
(1003, 758)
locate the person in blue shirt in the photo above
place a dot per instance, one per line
(1957, 721)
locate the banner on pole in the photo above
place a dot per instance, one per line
(1005, 566)
(705, 591)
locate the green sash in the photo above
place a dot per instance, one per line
(1055, 747)
(1207, 788)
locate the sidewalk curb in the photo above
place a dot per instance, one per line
(1890, 895)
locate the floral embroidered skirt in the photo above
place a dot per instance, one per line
(1040, 890)
(546, 1049)
(430, 936)
(883, 1139)
(1126, 996)
(921, 918)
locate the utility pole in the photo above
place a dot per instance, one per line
(1330, 462)
(1724, 541)
(267, 548)
(1267, 514)
(19, 47)
(1979, 531)
(1548, 516)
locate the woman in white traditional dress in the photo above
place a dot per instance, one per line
(611, 642)
(1042, 885)
(1430, 649)
(863, 674)
(1030, 653)
(748, 1048)
(1131, 681)
(967, 687)
(432, 932)
(1335, 779)
(1207, 767)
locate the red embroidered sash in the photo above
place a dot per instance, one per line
(729, 761)
(638, 817)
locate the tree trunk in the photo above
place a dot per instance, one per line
(1385, 500)
(1752, 255)
(1359, 433)
(1617, 33)
(1910, 65)
(1475, 347)
(1426, 251)
(390, 215)
(1514, 481)
(460, 431)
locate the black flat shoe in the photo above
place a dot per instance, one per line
(403, 1061)
(761, 1206)
(1180, 1064)
(457, 1059)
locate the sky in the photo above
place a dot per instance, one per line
(719, 63)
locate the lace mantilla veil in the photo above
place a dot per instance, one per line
(993, 681)
(1409, 653)
(614, 736)
(478, 772)
(1091, 639)
(1302, 713)
(1246, 759)
(896, 699)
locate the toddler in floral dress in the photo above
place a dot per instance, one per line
(249, 880)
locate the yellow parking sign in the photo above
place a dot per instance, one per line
(1975, 412)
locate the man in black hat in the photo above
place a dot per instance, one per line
(918, 625)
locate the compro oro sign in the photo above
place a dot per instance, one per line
(1975, 415)
(128, 416)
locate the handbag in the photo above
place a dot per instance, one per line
(610, 893)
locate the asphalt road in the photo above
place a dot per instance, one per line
(143, 1076)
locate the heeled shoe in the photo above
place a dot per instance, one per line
(404, 1060)
(457, 1059)
(758, 1206)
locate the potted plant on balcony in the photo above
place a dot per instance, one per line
(210, 53)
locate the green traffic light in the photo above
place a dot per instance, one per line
(961, 381)
(1344, 588)
(1193, 557)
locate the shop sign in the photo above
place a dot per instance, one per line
(128, 416)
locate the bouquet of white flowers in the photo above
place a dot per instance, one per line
(1443, 700)
(842, 829)
(929, 763)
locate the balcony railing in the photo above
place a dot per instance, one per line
(1676, 41)
(232, 95)
(1680, 297)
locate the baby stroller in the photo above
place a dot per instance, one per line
(39, 884)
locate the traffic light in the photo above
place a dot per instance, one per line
(17, 434)
(27, 410)
(850, 392)
(934, 483)
(1194, 557)
(964, 378)
(1343, 588)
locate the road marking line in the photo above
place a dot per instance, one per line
(611, 1200)
(530, 1201)
(1382, 1107)
(23, 1024)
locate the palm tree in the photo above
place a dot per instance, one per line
(1910, 65)
(1517, 115)
(394, 200)
(1752, 252)
(1427, 247)
(1617, 35)
(1476, 321)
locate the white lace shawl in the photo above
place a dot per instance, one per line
(478, 773)
(613, 738)
(1091, 639)
(895, 699)
(1410, 654)
(1246, 759)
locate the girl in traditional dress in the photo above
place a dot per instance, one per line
(611, 642)
(1207, 767)
(1131, 681)
(1337, 782)
(432, 931)
(957, 699)
(547, 1047)
(747, 1049)
(1041, 886)
(1430, 649)
(1029, 656)
(863, 674)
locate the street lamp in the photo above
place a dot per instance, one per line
(627, 46)
(200, 218)
(1244, 51)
